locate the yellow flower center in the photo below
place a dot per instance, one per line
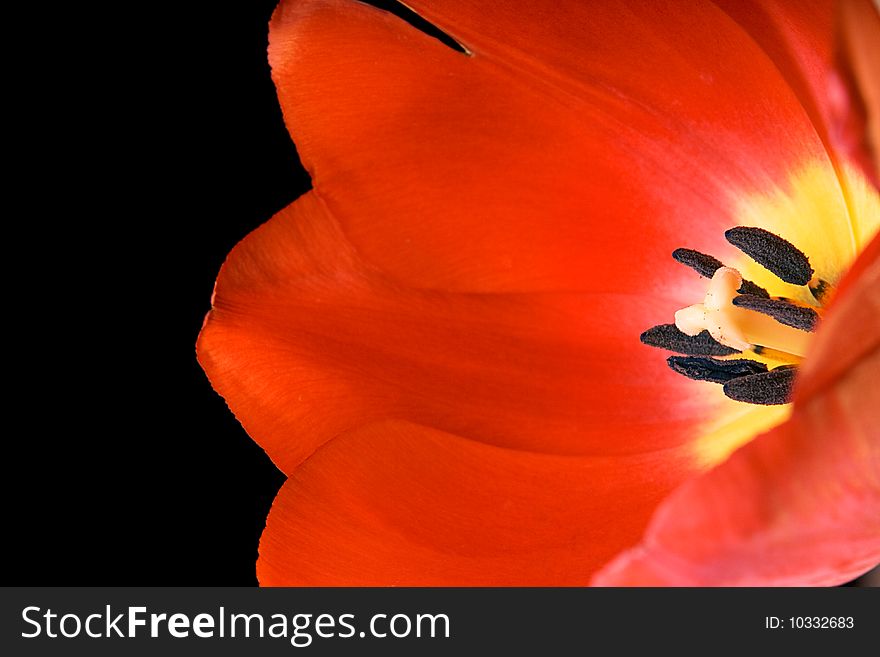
(831, 214)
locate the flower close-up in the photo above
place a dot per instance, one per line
(582, 293)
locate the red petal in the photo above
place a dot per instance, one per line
(836, 79)
(797, 37)
(306, 342)
(398, 504)
(799, 505)
(528, 165)
(857, 109)
(852, 331)
(352, 315)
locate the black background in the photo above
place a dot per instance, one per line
(149, 141)
(155, 144)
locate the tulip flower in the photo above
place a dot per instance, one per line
(469, 346)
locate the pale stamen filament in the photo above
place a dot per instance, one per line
(737, 327)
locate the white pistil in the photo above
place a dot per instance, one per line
(736, 327)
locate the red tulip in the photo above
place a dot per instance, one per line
(439, 344)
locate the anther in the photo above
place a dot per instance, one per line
(767, 388)
(819, 289)
(667, 336)
(714, 370)
(773, 253)
(747, 287)
(783, 311)
(706, 266)
(738, 317)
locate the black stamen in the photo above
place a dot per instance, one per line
(706, 266)
(768, 388)
(716, 371)
(781, 310)
(773, 253)
(819, 290)
(747, 287)
(667, 336)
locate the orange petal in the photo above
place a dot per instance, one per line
(829, 54)
(306, 342)
(455, 305)
(527, 165)
(398, 504)
(857, 108)
(799, 505)
(798, 38)
(852, 331)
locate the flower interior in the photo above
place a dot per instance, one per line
(738, 317)
(753, 328)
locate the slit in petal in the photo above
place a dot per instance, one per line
(408, 15)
